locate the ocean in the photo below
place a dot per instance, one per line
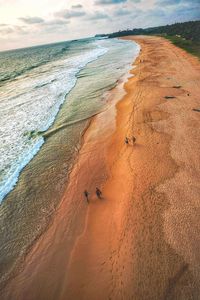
(47, 96)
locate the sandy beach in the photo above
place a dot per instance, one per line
(141, 241)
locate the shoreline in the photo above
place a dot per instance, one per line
(108, 97)
(113, 97)
(13, 179)
(126, 245)
(28, 209)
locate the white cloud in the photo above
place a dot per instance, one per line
(31, 20)
(46, 21)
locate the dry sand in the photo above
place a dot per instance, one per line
(141, 241)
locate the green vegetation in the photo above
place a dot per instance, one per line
(192, 47)
(184, 35)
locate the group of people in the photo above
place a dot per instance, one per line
(98, 193)
(128, 140)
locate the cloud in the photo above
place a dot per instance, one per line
(31, 20)
(54, 25)
(55, 22)
(122, 12)
(97, 15)
(82, 18)
(185, 13)
(76, 11)
(77, 6)
(108, 2)
(168, 2)
(176, 2)
(177, 10)
(6, 29)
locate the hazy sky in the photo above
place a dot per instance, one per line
(32, 22)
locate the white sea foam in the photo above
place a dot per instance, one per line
(31, 104)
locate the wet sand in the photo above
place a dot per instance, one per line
(141, 241)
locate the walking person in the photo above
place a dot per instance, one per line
(126, 140)
(86, 194)
(98, 193)
(133, 140)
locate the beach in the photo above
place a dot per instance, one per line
(141, 240)
(29, 206)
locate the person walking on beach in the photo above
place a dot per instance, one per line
(126, 140)
(86, 194)
(133, 140)
(98, 193)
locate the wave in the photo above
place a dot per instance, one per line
(13, 178)
(5, 77)
(51, 132)
(40, 107)
(14, 75)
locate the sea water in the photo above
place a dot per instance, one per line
(34, 83)
(47, 94)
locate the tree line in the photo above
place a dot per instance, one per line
(187, 30)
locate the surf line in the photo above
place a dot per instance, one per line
(51, 132)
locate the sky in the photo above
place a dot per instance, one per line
(26, 23)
